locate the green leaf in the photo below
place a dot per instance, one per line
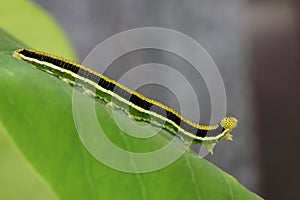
(36, 111)
(33, 27)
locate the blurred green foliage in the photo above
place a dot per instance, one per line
(36, 123)
(32, 26)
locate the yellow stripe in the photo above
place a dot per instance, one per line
(228, 123)
(198, 126)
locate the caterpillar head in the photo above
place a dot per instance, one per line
(229, 122)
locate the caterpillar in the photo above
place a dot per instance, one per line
(141, 106)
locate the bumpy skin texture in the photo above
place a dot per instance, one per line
(229, 122)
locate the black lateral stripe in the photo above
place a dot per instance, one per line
(56, 62)
(119, 91)
(140, 102)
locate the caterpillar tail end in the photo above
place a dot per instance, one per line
(16, 54)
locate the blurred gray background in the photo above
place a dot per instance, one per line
(247, 39)
(218, 26)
